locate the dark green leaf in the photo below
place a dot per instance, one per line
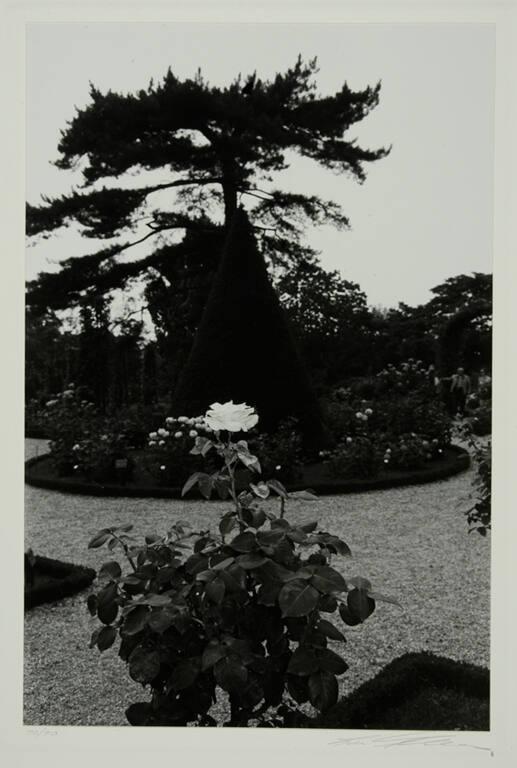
(107, 612)
(139, 713)
(206, 576)
(201, 446)
(280, 523)
(156, 601)
(270, 538)
(278, 488)
(184, 674)
(384, 598)
(268, 593)
(359, 604)
(330, 631)
(196, 563)
(206, 485)
(95, 635)
(244, 542)
(222, 486)
(331, 662)
(106, 638)
(348, 617)
(297, 535)
(258, 518)
(237, 573)
(92, 604)
(107, 594)
(226, 525)
(191, 482)
(223, 564)
(298, 688)
(135, 620)
(260, 489)
(309, 527)
(327, 603)
(159, 621)
(215, 590)
(111, 570)
(99, 539)
(214, 652)
(144, 665)
(328, 580)
(360, 583)
(231, 674)
(323, 690)
(249, 461)
(297, 598)
(251, 561)
(303, 662)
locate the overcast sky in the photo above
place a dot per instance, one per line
(423, 214)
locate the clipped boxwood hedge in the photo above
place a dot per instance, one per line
(47, 580)
(416, 691)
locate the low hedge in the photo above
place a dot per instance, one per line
(47, 580)
(416, 691)
(38, 473)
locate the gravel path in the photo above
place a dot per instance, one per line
(410, 542)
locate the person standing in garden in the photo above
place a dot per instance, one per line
(460, 389)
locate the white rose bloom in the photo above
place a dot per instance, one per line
(76, 447)
(152, 442)
(358, 415)
(192, 433)
(182, 419)
(162, 442)
(163, 433)
(178, 434)
(368, 411)
(232, 417)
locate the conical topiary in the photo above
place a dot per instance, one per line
(244, 350)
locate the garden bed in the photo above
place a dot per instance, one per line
(417, 691)
(40, 473)
(51, 580)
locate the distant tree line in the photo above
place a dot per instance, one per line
(339, 336)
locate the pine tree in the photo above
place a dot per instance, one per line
(216, 145)
(244, 350)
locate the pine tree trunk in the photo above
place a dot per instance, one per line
(229, 169)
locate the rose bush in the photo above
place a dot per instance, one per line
(281, 452)
(479, 513)
(239, 609)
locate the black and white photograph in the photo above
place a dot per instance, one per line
(258, 375)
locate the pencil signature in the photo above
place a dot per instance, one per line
(398, 740)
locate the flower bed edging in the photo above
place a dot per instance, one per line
(458, 462)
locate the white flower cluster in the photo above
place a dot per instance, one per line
(179, 427)
(230, 417)
(364, 416)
